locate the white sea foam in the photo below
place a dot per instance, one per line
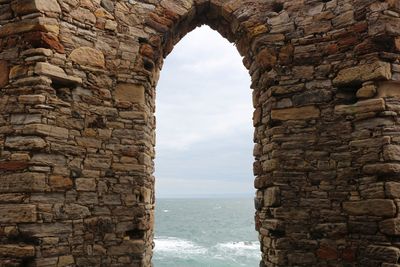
(177, 246)
(242, 248)
(165, 211)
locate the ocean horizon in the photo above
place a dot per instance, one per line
(206, 231)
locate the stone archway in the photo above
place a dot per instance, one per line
(77, 126)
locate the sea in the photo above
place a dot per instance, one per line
(206, 232)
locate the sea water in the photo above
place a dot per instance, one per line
(205, 233)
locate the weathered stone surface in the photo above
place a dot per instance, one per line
(384, 253)
(362, 106)
(56, 73)
(382, 168)
(130, 93)
(367, 91)
(45, 229)
(390, 227)
(272, 197)
(78, 126)
(133, 246)
(60, 183)
(389, 89)
(17, 214)
(85, 184)
(373, 207)
(23, 7)
(65, 261)
(391, 152)
(17, 251)
(46, 130)
(25, 142)
(359, 74)
(37, 24)
(392, 189)
(87, 56)
(23, 182)
(303, 113)
(301, 258)
(4, 70)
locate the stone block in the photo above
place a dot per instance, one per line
(370, 105)
(13, 165)
(392, 190)
(24, 7)
(65, 261)
(133, 115)
(4, 71)
(87, 56)
(26, 118)
(382, 168)
(31, 99)
(46, 130)
(327, 252)
(71, 211)
(127, 247)
(368, 72)
(60, 183)
(25, 142)
(23, 182)
(391, 153)
(20, 213)
(312, 97)
(383, 253)
(85, 184)
(128, 167)
(272, 197)
(301, 258)
(301, 113)
(43, 24)
(389, 89)
(367, 91)
(134, 93)
(17, 251)
(390, 227)
(56, 73)
(372, 207)
(45, 229)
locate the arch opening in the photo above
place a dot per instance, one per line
(204, 157)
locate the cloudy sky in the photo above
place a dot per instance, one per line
(204, 129)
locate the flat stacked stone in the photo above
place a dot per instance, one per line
(78, 84)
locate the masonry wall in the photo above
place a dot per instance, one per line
(78, 83)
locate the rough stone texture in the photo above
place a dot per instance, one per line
(87, 56)
(78, 84)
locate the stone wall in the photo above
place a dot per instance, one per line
(78, 84)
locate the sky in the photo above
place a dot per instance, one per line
(204, 120)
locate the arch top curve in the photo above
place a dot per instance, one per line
(235, 20)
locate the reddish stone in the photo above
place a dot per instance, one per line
(58, 182)
(365, 47)
(161, 20)
(359, 27)
(286, 54)
(53, 42)
(13, 165)
(266, 58)
(397, 43)
(348, 41)
(349, 255)
(327, 253)
(45, 40)
(332, 49)
(147, 51)
(4, 71)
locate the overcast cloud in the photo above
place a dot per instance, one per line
(204, 129)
